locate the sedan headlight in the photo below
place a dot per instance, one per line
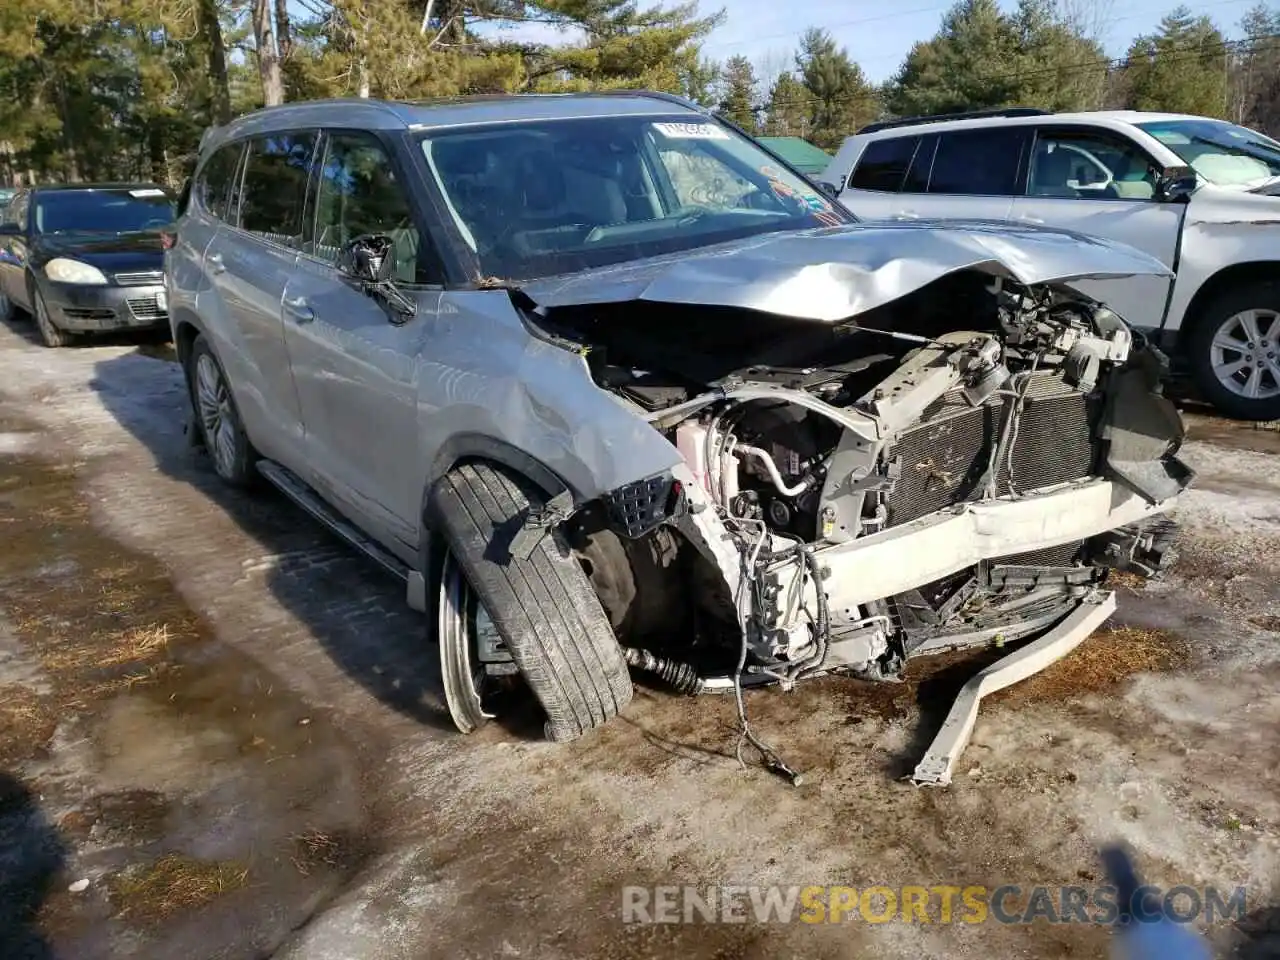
(62, 270)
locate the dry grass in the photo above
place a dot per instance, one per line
(172, 883)
(1125, 580)
(315, 849)
(1102, 662)
(26, 723)
(64, 654)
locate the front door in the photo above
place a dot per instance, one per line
(355, 361)
(1104, 185)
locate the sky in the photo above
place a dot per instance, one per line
(878, 35)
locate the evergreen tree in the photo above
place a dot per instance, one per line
(842, 99)
(1181, 68)
(738, 97)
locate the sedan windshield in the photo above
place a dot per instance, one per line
(126, 210)
(540, 198)
(1221, 152)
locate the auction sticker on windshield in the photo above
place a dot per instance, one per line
(691, 131)
(146, 192)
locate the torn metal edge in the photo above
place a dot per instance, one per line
(936, 767)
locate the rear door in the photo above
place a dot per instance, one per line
(354, 360)
(1102, 183)
(249, 262)
(972, 174)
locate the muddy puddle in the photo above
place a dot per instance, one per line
(1233, 434)
(161, 793)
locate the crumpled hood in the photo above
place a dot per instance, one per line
(833, 273)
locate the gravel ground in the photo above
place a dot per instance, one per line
(212, 741)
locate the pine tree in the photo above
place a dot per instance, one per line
(738, 97)
(842, 99)
(1182, 68)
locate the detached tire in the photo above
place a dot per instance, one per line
(543, 607)
(1234, 351)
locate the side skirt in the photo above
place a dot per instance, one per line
(296, 490)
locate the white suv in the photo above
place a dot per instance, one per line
(1199, 194)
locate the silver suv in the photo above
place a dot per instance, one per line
(612, 387)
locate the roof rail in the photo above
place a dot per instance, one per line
(940, 117)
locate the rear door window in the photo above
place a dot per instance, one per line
(274, 190)
(978, 162)
(884, 164)
(216, 185)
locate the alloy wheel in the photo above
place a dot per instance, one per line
(1245, 354)
(217, 417)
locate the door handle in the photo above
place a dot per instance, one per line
(214, 260)
(1027, 218)
(908, 215)
(299, 309)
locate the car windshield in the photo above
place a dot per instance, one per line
(1221, 152)
(125, 210)
(539, 198)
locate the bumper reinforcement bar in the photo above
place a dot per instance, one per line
(936, 767)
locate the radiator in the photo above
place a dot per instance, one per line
(942, 459)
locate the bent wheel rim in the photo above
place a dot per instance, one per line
(1245, 354)
(217, 418)
(461, 620)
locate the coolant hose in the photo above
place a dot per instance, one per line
(772, 468)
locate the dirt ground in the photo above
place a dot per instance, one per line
(213, 742)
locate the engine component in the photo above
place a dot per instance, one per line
(772, 469)
(779, 514)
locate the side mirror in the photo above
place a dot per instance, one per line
(368, 258)
(829, 189)
(1176, 184)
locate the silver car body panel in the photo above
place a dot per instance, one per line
(836, 273)
(370, 407)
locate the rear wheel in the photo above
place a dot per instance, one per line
(49, 332)
(543, 607)
(218, 419)
(1234, 352)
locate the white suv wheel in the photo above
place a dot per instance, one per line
(1245, 354)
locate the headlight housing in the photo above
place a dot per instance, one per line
(63, 270)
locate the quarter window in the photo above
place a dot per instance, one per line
(1090, 167)
(358, 195)
(977, 162)
(884, 164)
(274, 190)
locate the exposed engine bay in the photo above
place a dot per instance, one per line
(854, 484)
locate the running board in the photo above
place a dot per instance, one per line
(936, 767)
(301, 494)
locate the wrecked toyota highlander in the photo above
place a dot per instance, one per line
(613, 388)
